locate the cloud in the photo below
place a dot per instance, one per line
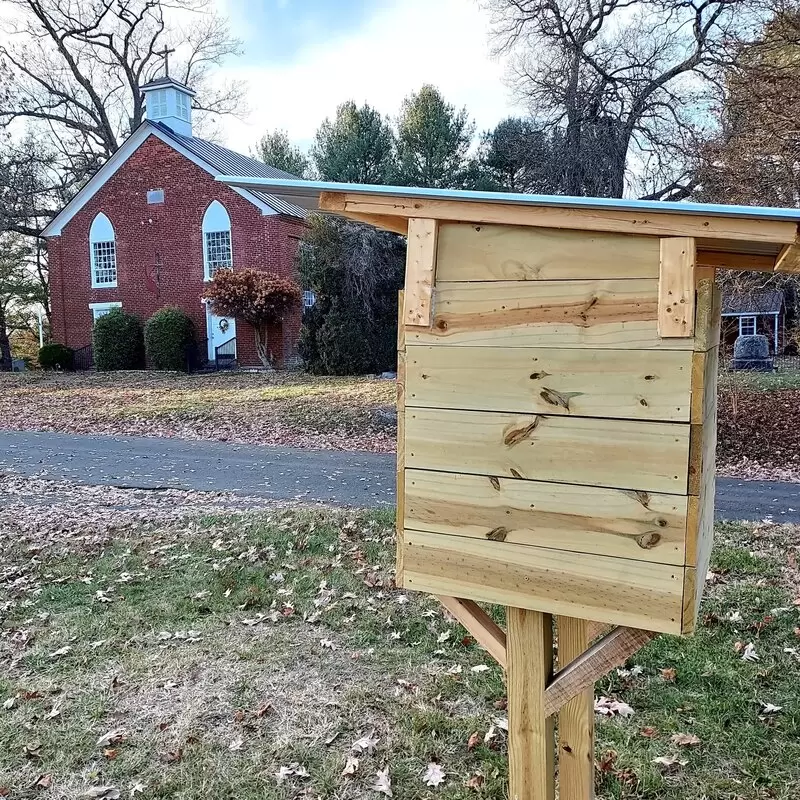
(404, 44)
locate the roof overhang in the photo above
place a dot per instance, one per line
(731, 237)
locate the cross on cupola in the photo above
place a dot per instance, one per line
(165, 54)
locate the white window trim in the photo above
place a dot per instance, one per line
(748, 317)
(102, 238)
(103, 307)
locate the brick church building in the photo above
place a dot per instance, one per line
(153, 226)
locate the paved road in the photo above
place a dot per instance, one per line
(282, 473)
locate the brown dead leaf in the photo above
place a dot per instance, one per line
(473, 741)
(173, 756)
(32, 749)
(351, 766)
(110, 753)
(669, 763)
(669, 674)
(383, 783)
(605, 763)
(475, 781)
(434, 776)
(4, 791)
(43, 782)
(685, 739)
(112, 737)
(649, 732)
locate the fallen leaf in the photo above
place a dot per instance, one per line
(611, 708)
(365, 743)
(173, 756)
(649, 732)
(137, 788)
(770, 708)
(110, 753)
(479, 668)
(43, 782)
(31, 749)
(749, 653)
(112, 737)
(669, 763)
(351, 767)
(605, 763)
(475, 781)
(685, 739)
(383, 783)
(236, 744)
(105, 792)
(669, 674)
(10, 703)
(60, 652)
(473, 741)
(434, 776)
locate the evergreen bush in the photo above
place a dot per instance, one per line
(118, 341)
(56, 356)
(167, 336)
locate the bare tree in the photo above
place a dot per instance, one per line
(626, 81)
(75, 67)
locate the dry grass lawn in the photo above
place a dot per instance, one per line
(283, 408)
(167, 646)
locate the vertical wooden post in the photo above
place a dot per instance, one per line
(575, 720)
(531, 744)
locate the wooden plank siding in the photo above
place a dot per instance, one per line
(508, 253)
(621, 591)
(624, 454)
(616, 384)
(613, 522)
(556, 450)
(599, 313)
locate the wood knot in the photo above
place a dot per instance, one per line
(441, 324)
(495, 483)
(537, 376)
(556, 398)
(515, 473)
(648, 540)
(517, 435)
(497, 534)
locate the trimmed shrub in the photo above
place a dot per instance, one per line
(118, 341)
(167, 335)
(345, 342)
(56, 356)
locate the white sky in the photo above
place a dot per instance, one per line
(401, 46)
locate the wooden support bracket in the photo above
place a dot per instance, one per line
(488, 634)
(789, 258)
(611, 651)
(420, 271)
(676, 288)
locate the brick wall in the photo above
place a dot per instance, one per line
(160, 249)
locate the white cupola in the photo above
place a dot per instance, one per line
(169, 102)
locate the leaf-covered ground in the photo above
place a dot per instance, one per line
(164, 645)
(282, 408)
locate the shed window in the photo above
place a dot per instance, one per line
(155, 196)
(103, 253)
(217, 250)
(747, 326)
(309, 298)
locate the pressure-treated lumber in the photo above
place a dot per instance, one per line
(626, 454)
(631, 384)
(575, 719)
(789, 258)
(752, 262)
(400, 512)
(588, 586)
(644, 526)
(611, 651)
(420, 271)
(508, 253)
(486, 632)
(650, 223)
(394, 224)
(531, 744)
(615, 314)
(708, 313)
(676, 288)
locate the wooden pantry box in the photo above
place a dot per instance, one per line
(557, 368)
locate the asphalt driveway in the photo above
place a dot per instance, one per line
(282, 473)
